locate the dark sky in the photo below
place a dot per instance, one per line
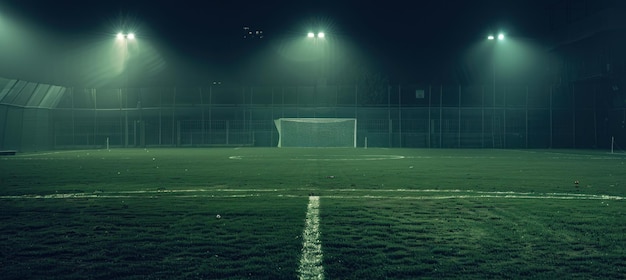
(400, 39)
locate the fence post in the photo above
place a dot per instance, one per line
(595, 117)
(177, 134)
(160, 117)
(95, 115)
(459, 124)
(390, 128)
(74, 117)
(400, 115)
(482, 117)
(440, 117)
(210, 112)
(504, 118)
(356, 99)
(430, 91)
(573, 116)
(202, 130)
(390, 137)
(526, 133)
(551, 92)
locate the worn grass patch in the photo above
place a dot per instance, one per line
(151, 238)
(472, 239)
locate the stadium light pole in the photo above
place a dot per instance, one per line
(124, 38)
(319, 38)
(495, 39)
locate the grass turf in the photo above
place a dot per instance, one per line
(385, 213)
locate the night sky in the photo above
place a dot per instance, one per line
(198, 42)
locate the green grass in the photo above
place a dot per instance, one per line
(151, 238)
(472, 239)
(385, 213)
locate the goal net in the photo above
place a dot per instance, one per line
(316, 132)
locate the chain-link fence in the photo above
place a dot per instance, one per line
(404, 116)
(428, 116)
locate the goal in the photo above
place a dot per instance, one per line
(316, 132)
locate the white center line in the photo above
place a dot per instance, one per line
(311, 261)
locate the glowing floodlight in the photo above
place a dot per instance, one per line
(319, 35)
(122, 36)
(500, 36)
(490, 37)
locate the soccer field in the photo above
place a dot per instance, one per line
(335, 213)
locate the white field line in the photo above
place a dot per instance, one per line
(311, 260)
(331, 193)
(474, 193)
(198, 190)
(52, 153)
(38, 156)
(604, 197)
(328, 158)
(125, 194)
(435, 197)
(117, 195)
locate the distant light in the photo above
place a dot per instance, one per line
(122, 36)
(490, 37)
(319, 35)
(500, 36)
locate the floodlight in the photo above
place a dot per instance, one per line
(321, 35)
(500, 36)
(122, 36)
(490, 37)
(310, 35)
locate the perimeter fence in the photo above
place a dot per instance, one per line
(417, 116)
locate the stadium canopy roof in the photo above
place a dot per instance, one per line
(30, 95)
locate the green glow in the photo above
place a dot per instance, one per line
(319, 35)
(122, 36)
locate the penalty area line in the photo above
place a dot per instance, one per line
(311, 260)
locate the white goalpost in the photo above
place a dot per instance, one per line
(612, 143)
(615, 147)
(316, 132)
